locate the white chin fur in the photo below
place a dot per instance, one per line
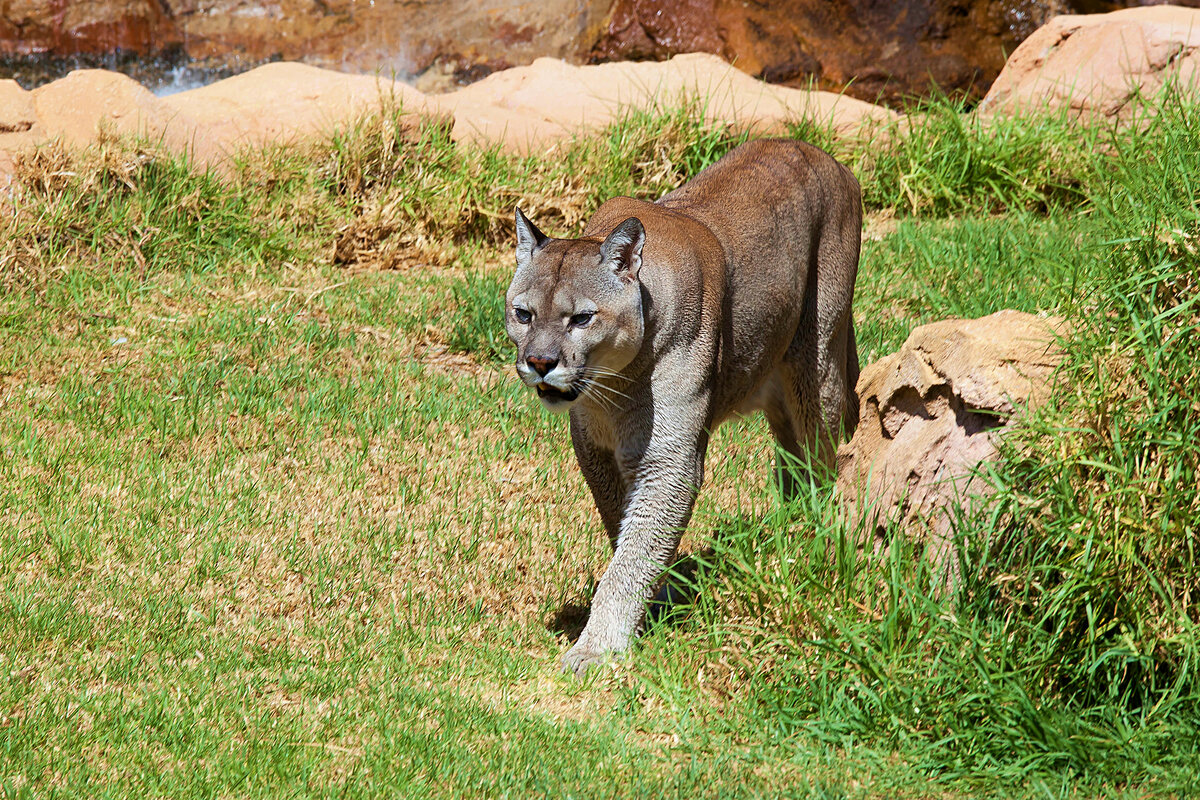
(556, 406)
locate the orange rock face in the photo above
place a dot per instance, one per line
(60, 27)
(882, 50)
(403, 37)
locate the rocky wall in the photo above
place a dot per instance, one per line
(870, 49)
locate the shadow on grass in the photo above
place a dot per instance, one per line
(672, 603)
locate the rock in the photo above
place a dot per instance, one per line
(29, 27)
(19, 125)
(280, 104)
(527, 107)
(868, 49)
(931, 412)
(463, 38)
(524, 109)
(18, 114)
(1094, 65)
(77, 107)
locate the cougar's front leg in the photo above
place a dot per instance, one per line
(603, 477)
(659, 504)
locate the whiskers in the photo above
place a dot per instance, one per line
(604, 395)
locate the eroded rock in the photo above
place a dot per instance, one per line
(525, 109)
(1095, 64)
(932, 411)
(866, 48)
(458, 39)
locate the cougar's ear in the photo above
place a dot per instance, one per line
(622, 250)
(529, 238)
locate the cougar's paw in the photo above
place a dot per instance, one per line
(580, 658)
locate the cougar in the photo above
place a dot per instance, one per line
(729, 295)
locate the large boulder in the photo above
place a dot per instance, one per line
(932, 412)
(1094, 65)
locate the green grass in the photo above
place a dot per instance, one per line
(276, 520)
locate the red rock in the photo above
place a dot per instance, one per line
(879, 49)
(92, 26)
(403, 37)
(870, 49)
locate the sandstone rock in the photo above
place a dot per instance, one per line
(19, 125)
(527, 107)
(871, 49)
(1095, 64)
(932, 411)
(524, 109)
(279, 103)
(17, 111)
(77, 107)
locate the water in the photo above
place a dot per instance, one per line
(182, 78)
(163, 75)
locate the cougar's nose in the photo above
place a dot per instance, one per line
(541, 365)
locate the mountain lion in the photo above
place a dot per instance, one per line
(729, 295)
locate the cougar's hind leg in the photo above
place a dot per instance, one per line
(815, 403)
(836, 350)
(852, 371)
(791, 413)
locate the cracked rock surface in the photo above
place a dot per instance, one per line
(932, 411)
(1096, 64)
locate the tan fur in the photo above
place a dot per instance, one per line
(729, 295)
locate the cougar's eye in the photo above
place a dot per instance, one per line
(523, 316)
(581, 319)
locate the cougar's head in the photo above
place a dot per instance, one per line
(574, 310)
